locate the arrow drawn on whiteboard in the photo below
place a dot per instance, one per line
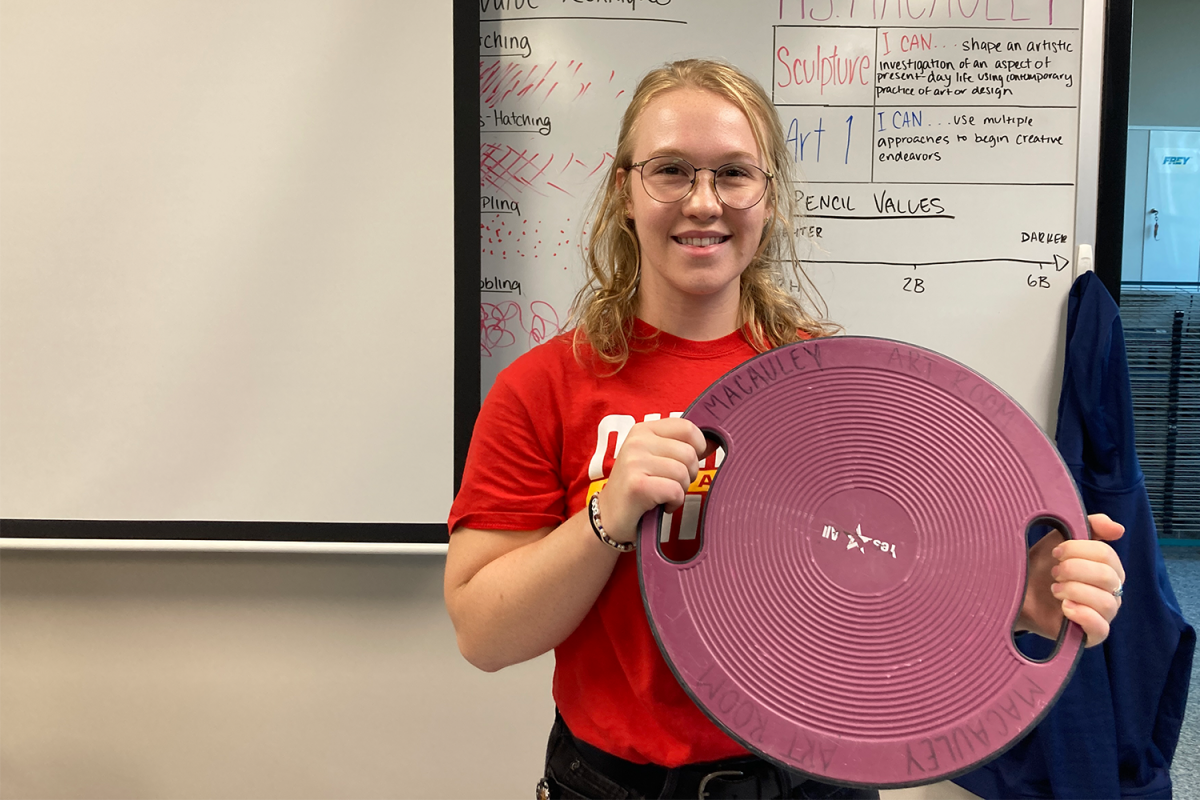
(1059, 263)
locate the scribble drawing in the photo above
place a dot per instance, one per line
(544, 322)
(496, 328)
(494, 322)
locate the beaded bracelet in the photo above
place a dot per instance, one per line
(594, 518)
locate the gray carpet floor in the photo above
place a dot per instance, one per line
(1183, 565)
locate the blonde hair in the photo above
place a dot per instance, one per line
(603, 311)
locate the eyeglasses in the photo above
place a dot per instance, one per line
(668, 179)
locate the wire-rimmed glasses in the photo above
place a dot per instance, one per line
(669, 179)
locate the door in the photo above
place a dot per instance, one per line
(1171, 241)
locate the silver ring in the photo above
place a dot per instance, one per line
(1120, 590)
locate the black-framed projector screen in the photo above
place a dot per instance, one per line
(235, 303)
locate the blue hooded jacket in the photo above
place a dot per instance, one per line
(1114, 729)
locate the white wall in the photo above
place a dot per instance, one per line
(252, 676)
(163, 676)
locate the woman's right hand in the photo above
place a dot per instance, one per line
(514, 595)
(657, 463)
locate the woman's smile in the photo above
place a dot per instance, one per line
(700, 240)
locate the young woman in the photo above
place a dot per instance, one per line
(689, 240)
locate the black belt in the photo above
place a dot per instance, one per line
(747, 777)
(744, 777)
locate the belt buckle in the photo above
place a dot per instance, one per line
(703, 794)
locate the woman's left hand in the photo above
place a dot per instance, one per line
(1075, 578)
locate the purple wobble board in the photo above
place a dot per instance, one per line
(862, 562)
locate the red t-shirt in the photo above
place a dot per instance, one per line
(545, 440)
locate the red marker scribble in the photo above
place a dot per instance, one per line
(530, 87)
(543, 169)
(512, 172)
(507, 170)
(544, 322)
(498, 323)
(498, 80)
(494, 321)
(603, 161)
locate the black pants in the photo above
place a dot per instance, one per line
(575, 769)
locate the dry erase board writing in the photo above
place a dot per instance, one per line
(937, 143)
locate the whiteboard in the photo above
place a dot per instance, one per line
(947, 149)
(227, 289)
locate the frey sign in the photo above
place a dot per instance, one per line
(1175, 160)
